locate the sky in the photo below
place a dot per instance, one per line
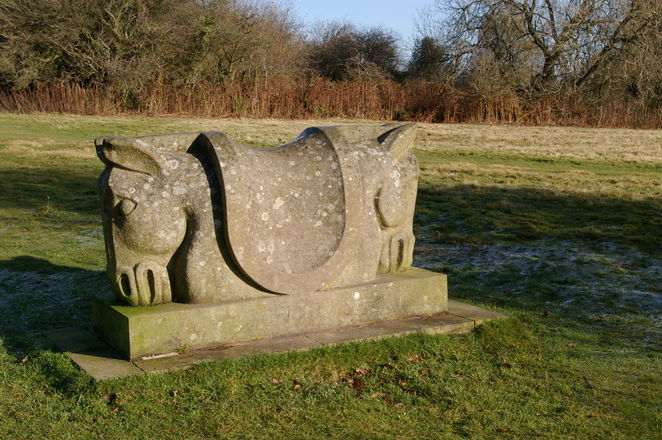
(398, 15)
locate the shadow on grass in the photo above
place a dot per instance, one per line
(64, 187)
(37, 295)
(589, 262)
(470, 214)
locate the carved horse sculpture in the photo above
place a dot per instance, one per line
(200, 218)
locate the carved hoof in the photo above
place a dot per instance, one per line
(148, 284)
(397, 252)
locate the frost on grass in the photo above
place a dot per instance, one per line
(562, 276)
(32, 302)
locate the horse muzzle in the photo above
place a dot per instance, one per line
(143, 285)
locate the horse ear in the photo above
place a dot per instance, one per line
(130, 154)
(398, 140)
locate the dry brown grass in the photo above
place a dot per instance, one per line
(620, 145)
(553, 142)
(320, 98)
(543, 157)
(576, 182)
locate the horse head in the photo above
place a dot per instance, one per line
(395, 198)
(143, 218)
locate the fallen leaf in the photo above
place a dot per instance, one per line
(390, 365)
(24, 360)
(358, 385)
(275, 381)
(362, 371)
(115, 410)
(174, 393)
(571, 345)
(297, 386)
(415, 358)
(423, 372)
(399, 405)
(402, 383)
(488, 347)
(375, 395)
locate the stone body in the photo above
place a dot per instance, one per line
(199, 218)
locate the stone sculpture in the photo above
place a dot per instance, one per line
(199, 218)
(211, 243)
(217, 249)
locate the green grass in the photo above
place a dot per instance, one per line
(559, 228)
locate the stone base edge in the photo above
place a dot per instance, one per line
(139, 331)
(102, 362)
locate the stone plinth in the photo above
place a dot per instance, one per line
(142, 331)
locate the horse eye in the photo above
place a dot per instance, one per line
(127, 206)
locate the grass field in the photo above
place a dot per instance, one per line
(559, 228)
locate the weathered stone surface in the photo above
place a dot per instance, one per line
(105, 364)
(227, 352)
(210, 242)
(438, 323)
(93, 355)
(139, 331)
(102, 362)
(475, 313)
(199, 218)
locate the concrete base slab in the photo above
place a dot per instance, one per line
(139, 331)
(103, 362)
(92, 355)
(477, 314)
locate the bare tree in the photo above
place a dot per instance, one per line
(121, 42)
(628, 64)
(340, 51)
(333, 50)
(562, 42)
(129, 43)
(430, 60)
(379, 49)
(238, 39)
